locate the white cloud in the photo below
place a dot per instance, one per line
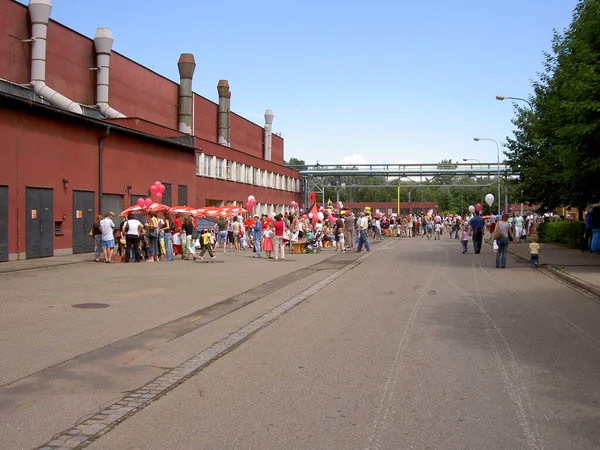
(354, 159)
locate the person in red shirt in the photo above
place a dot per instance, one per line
(279, 229)
(177, 222)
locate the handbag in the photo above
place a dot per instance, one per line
(91, 233)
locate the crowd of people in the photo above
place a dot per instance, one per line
(163, 237)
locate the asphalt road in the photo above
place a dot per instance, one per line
(416, 347)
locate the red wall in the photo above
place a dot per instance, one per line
(134, 90)
(37, 153)
(130, 162)
(205, 118)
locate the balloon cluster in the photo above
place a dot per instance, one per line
(157, 190)
(251, 203)
(478, 207)
(294, 204)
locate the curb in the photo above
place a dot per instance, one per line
(564, 276)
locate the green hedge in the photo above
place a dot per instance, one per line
(566, 232)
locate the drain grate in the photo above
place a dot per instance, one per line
(91, 305)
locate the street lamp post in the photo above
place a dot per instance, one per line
(471, 159)
(504, 97)
(477, 139)
(519, 99)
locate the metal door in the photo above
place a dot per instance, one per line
(39, 229)
(112, 202)
(83, 220)
(3, 223)
(134, 199)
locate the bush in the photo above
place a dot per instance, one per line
(566, 232)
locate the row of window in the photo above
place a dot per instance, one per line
(213, 167)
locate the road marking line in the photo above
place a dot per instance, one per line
(394, 372)
(194, 319)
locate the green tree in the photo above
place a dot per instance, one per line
(555, 147)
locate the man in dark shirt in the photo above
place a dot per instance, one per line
(477, 225)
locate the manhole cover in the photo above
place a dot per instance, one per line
(91, 305)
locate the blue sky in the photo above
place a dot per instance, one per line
(379, 81)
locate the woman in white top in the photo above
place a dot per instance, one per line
(133, 229)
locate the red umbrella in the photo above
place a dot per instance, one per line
(135, 209)
(181, 210)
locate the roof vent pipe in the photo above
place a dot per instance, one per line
(39, 12)
(186, 65)
(268, 133)
(223, 117)
(103, 41)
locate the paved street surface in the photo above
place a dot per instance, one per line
(413, 346)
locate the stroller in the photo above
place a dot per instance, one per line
(312, 241)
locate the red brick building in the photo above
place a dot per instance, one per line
(63, 161)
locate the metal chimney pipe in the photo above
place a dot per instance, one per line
(228, 108)
(39, 12)
(103, 41)
(186, 65)
(223, 115)
(268, 133)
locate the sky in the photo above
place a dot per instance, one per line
(388, 81)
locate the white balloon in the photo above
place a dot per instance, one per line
(320, 215)
(472, 208)
(310, 215)
(489, 199)
(251, 197)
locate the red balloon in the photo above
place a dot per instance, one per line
(148, 202)
(161, 189)
(140, 201)
(478, 207)
(304, 216)
(157, 183)
(249, 205)
(158, 196)
(153, 188)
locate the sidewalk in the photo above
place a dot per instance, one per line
(40, 263)
(582, 269)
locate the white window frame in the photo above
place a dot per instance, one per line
(207, 166)
(239, 172)
(228, 170)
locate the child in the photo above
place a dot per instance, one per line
(267, 244)
(177, 244)
(438, 229)
(206, 245)
(534, 251)
(464, 240)
(341, 241)
(162, 246)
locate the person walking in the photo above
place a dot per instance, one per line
(222, 232)
(349, 230)
(586, 242)
(107, 226)
(257, 235)
(477, 225)
(279, 229)
(97, 234)
(133, 229)
(502, 235)
(363, 226)
(153, 230)
(168, 228)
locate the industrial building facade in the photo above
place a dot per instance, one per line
(80, 135)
